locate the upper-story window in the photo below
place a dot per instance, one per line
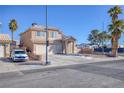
(38, 33)
(53, 34)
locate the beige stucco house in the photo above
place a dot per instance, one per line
(35, 40)
(4, 45)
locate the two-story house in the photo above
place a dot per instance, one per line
(34, 39)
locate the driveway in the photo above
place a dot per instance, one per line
(7, 65)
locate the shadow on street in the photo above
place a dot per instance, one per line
(96, 68)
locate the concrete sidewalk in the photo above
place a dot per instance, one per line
(57, 61)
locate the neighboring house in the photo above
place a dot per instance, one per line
(34, 39)
(4, 45)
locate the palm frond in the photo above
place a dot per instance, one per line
(13, 25)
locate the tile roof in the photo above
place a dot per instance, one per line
(68, 37)
(41, 28)
(4, 38)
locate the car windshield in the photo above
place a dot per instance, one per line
(19, 52)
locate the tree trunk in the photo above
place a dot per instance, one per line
(11, 45)
(12, 35)
(114, 46)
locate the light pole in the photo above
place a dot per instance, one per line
(47, 62)
(0, 27)
(0, 23)
(102, 40)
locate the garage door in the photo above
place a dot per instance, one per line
(1, 51)
(58, 47)
(40, 49)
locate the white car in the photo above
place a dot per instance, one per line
(19, 55)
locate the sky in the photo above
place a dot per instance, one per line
(77, 21)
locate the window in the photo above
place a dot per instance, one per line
(40, 33)
(53, 34)
(20, 52)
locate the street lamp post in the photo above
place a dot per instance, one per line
(47, 62)
(0, 23)
(0, 27)
(103, 41)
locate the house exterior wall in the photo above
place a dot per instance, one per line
(38, 43)
(58, 35)
(39, 49)
(53, 47)
(26, 39)
(30, 40)
(4, 45)
(1, 50)
(5, 50)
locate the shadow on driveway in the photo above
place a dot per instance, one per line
(7, 60)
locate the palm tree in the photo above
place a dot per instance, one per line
(116, 27)
(13, 27)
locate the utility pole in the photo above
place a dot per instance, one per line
(46, 63)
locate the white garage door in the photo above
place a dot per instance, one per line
(1, 51)
(40, 49)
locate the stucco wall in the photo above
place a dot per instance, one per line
(26, 39)
(37, 43)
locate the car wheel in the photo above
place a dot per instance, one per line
(13, 60)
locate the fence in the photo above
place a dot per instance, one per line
(120, 50)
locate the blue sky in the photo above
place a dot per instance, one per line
(77, 21)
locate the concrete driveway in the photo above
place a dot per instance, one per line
(7, 65)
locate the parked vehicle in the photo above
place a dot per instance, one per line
(19, 55)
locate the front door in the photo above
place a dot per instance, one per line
(70, 48)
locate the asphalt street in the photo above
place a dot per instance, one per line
(89, 75)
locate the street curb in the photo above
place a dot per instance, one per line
(23, 72)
